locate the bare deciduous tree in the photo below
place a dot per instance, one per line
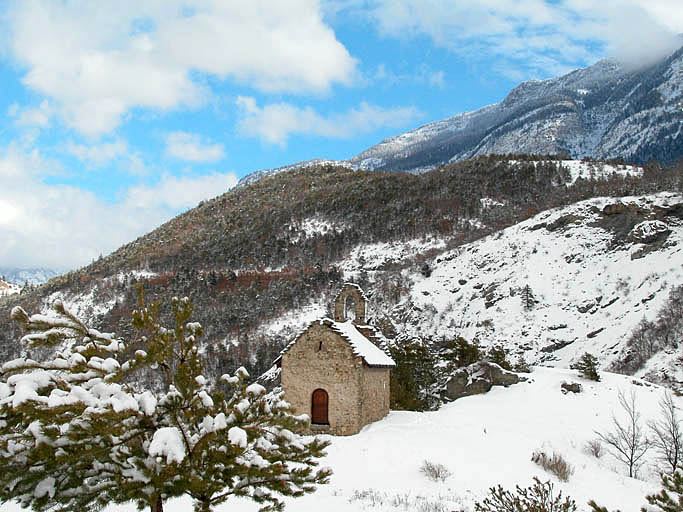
(667, 437)
(627, 441)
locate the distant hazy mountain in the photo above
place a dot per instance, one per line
(28, 275)
(603, 111)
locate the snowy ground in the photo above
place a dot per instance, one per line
(483, 440)
(589, 293)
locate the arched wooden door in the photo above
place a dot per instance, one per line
(319, 402)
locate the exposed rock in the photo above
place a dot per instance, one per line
(563, 221)
(573, 387)
(649, 231)
(478, 378)
(612, 301)
(586, 306)
(594, 333)
(648, 298)
(615, 208)
(557, 345)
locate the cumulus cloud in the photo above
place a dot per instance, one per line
(64, 227)
(98, 154)
(189, 147)
(536, 36)
(38, 117)
(274, 123)
(99, 60)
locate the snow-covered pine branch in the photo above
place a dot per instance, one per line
(77, 431)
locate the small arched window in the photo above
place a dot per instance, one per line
(319, 403)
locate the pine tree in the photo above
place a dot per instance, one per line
(528, 299)
(496, 354)
(588, 366)
(413, 377)
(78, 431)
(669, 499)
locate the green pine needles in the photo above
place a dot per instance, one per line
(78, 430)
(587, 366)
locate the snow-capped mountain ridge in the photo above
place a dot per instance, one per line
(603, 111)
(21, 276)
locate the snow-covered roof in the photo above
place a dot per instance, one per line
(361, 345)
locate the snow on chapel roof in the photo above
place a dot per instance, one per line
(361, 346)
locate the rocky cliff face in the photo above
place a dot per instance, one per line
(603, 111)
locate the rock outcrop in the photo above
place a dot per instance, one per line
(478, 378)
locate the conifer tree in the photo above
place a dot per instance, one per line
(669, 499)
(588, 366)
(528, 299)
(78, 431)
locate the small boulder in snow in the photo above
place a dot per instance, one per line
(478, 378)
(649, 231)
(573, 387)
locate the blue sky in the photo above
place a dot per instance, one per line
(120, 115)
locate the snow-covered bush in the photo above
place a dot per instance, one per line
(77, 431)
(435, 472)
(594, 447)
(555, 464)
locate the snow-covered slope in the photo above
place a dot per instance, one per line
(603, 111)
(483, 441)
(564, 282)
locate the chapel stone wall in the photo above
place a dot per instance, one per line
(322, 359)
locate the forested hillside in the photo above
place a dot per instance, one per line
(248, 257)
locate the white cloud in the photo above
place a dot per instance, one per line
(188, 146)
(178, 193)
(537, 35)
(64, 227)
(274, 123)
(99, 60)
(98, 154)
(37, 117)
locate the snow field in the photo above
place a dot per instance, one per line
(581, 284)
(484, 440)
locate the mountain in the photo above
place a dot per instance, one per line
(34, 276)
(570, 280)
(262, 260)
(604, 111)
(481, 441)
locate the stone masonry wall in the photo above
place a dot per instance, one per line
(306, 367)
(375, 393)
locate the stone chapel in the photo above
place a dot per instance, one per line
(333, 372)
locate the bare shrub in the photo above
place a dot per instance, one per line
(667, 436)
(435, 472)
(555, 464)
(594, 448)
(372, 496)
(627, 441)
